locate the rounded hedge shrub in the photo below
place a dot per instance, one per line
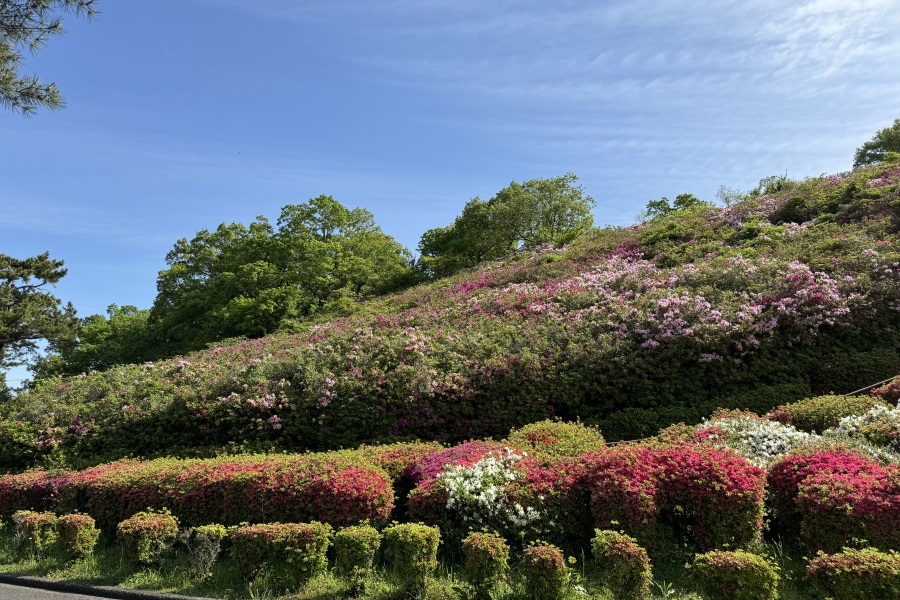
(355, 548)
(545, 572)
(413, 553)
(78, 535)
(853, 574)
(555, 438)
(622, 565)
(815, 415)
(292, 552)
(485, 561)
(37, 532)
(147, 537)
(735, 575)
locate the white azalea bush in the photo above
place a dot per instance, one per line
(880, 426)
(478, 495)
(759, 440)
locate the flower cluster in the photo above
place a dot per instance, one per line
(759, 440)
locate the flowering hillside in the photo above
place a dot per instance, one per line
(750, 306)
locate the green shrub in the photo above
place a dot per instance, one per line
(486, 562)
(545, 572)
(823, 412)
(355, 549)
(854, 574)
(622, 565)
(199, 547)
(555, 438)
(147, 537)
(413, 553)
(78, 536)
(36, 532)
(735, 575)
(292, 552)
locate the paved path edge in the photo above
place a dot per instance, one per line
(101, 591)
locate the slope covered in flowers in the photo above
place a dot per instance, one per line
(751, 306)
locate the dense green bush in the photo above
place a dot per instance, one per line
(78, 536)
(545, 572)
(556, 438)
(355, 549)
(854, 574)
(412, 551)
(147, 537)
(36, 532)
(823, 412)
(199, 547)
(735, 575)
(290, 552)
(485, 562)
(622, 565)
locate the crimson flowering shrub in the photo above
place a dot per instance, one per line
(147, 537)
(464, 455)
(78, 535)
(545, 572)
(715, 496)
(853, 574)
(622, 565)
(291, 552)
(338, 488)
(889, 392)
(735, 576)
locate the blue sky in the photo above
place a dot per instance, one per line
(183, 114)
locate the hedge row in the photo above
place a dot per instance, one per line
(336, 488)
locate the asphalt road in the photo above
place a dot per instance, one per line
(18, 592)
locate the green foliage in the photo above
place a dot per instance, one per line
(527, 215)
(485, 561)
(199, 547)
(26, 25)
(250, 280)
(289, 553)
(885, 141)
(622, 565)
(355, 549)
(556, 438)
(853, 574)
(819, 413)
(735, 575)
(37, 532)
(412, 550)
(28, 313)
(545, 572)
(683, 203)
(78, 536)
(147, 537)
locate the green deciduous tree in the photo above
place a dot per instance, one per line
(662, 207)
(29, 314)
(25, 25)
(251, 280)
(522, 215)
(875, 150)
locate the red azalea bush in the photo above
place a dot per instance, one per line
(395, 459)
(31, 490)
(465, 454)
(338, 488)
(716, 495)
(889, 392)
(844, 467)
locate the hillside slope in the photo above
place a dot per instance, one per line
(761, 303)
